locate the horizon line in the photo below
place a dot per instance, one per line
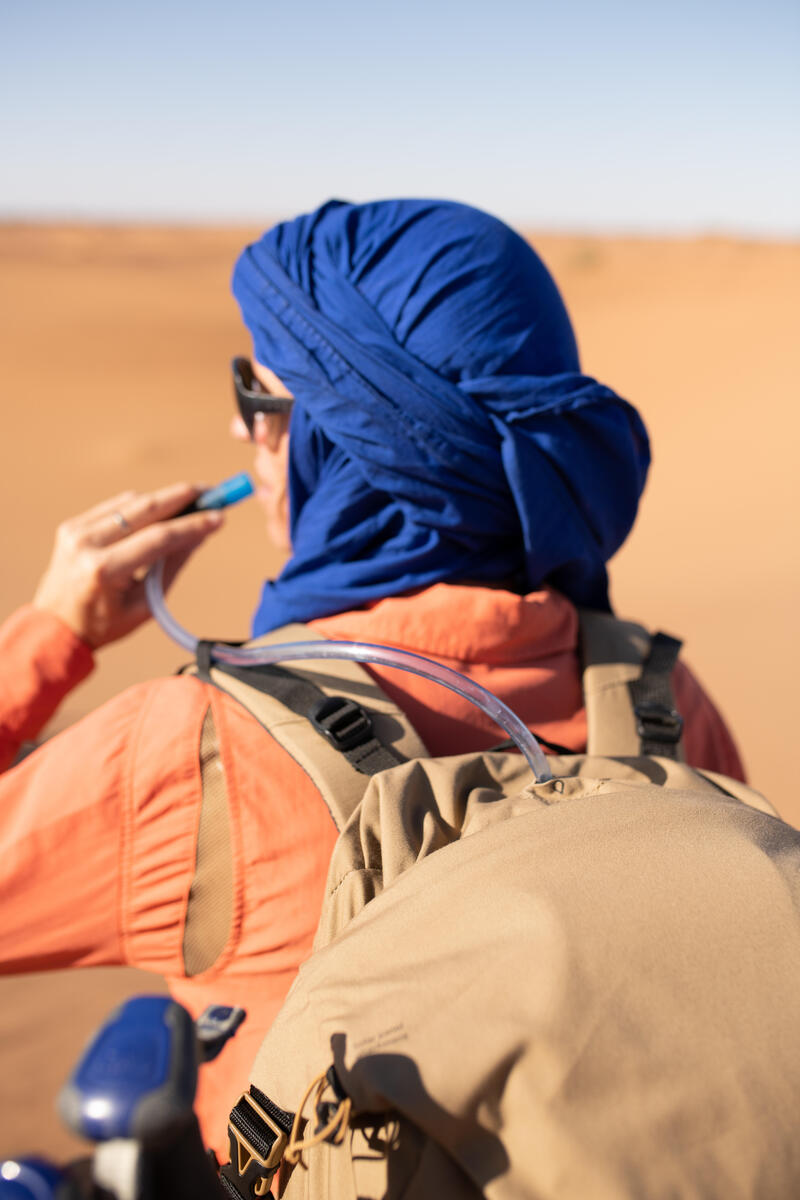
(702, 231)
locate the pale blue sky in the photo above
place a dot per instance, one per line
(651, 116)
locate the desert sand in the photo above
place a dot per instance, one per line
(114, 368)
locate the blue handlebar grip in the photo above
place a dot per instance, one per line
(138, 1075)
(31, 1179)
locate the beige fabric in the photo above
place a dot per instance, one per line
(582, 988)
(737, 789)
(612, 652)
(340, 784)
(209, 911)
(393, 1162)
(420, 807)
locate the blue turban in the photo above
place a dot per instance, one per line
(441, 429)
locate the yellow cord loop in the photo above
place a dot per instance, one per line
(335, 1131)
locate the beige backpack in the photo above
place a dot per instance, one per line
(579, 988)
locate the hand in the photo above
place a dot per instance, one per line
(95, 580)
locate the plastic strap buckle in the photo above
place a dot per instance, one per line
(656, 723)
(252, 1166)
(214, 1027)
(343, 722)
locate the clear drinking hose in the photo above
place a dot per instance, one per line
(386, 656)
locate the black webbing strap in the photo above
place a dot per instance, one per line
(342, 722)
(258, 1132)
(203, 657)
(658, 723)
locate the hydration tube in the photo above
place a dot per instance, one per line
(386, 656)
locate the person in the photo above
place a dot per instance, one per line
(446, 481)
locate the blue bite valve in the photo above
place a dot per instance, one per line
(230, 491)
(31, 1179)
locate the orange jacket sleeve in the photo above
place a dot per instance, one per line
(93, 872)
(42, 660)
(92, 868)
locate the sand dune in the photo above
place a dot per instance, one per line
(114, 363)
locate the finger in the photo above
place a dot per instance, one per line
(121, 561)
(103, 508)
(174, 565)
(136, 604)
(136, 610)
(141, 511)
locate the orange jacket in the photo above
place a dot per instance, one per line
(98, 828)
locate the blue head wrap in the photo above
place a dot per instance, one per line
(441, 429)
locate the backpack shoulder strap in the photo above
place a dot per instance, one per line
(630, 707)
(330, 715)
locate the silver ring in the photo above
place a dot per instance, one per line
(121, 521)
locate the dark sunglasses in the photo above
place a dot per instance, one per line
(251, 398)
